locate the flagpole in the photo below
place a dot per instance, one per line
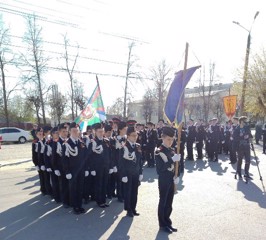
(180, 124)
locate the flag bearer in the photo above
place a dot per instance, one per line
(165, 159)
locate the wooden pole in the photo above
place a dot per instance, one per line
(180, 124)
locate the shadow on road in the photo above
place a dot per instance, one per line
(149, 174)
(252, 193)
(121, 230)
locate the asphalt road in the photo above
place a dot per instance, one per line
(210, 204)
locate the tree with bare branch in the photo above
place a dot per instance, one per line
(206, 90)
(70, 65)
(148, 105)
(35, 63)
(160, 76)
(57, 103)
(7, 58)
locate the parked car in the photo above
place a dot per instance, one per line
(12, 134)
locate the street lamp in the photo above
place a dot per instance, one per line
(244, 84)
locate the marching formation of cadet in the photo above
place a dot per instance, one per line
(107, 160)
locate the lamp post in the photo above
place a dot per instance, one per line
(244, 84)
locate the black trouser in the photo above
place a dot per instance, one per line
(64, 187)
(227, 146)
(47, 182)
(55, 187)
(131, 192)
(207, 148)
(166, 195)
(181, 163)
(119, 186)
(150, 156)
(190, 150)
(42, 181)
(88, 189)
(76, 184)
(243, 151)
(101, 181)
(199, 147)
(233, 157)
(213, 150)
(264, 145)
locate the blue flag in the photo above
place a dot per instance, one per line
(174, 105)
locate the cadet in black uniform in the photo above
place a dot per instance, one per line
(160, 131)
(214, 138)
(49, 165)
(152, 139)
(36, 158)
(165, 158)
(131, 171)
(233, 151)
(57, 164)
(200, 137)
(120, 140)
(191, 138)
(108, 135)
(242, 134)
(100, 163)
(75, 164)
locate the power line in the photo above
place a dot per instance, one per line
(49, 9)
(49, 42)
(70, 55)
(41, 18)
(124, 37)
(35, 12)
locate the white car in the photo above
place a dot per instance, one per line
(12, 134)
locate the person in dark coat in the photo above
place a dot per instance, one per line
(131, 171)
(264, 139)
(57, 165)
(151, 142)
(100, 164)
(258, 133)
(165, 165)
(75, 164)
(49, 165)
(242, 136)
(37, 158)
(233, 150)
(191, 138)
(200, 138)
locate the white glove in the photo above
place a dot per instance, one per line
(176, 180)
(49, 170)
(223, 142)
(140, 177)
(37, 168)
(111, 171)
(231, 138)
(93, 173)
(69, 176)
(176, 158)
(115, 169)
(43, 168)
(124, 179)
(57, 173)
(86, 173)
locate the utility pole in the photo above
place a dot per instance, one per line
(245, 75)
(129, 64)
